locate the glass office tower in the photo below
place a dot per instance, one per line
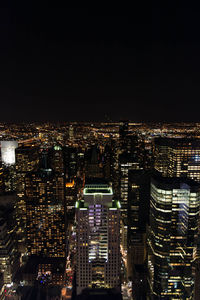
(178, 157)
(172, 242)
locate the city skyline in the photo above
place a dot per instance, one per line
(106, 209)
(99, 151)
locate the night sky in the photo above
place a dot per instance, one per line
(95, 63)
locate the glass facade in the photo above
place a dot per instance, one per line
(178, 157)
(172, 241)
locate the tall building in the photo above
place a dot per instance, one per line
(8, 164)
(138, 215)
(71, 192)
(57, 159)
(123, 134)
(178, 157)
(107, 160)
(93, 167)
(114, 167)
(45, 211)
(8, 152)
(98, 237)
(9, 256)
(10, 178)
(172, 242)
(71, 133)
(126, 163)
(2, 184)
(27, 160)
(70, 163)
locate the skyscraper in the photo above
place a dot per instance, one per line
(70, 163)
(98, 237)
(174, 211)
(8, 163)
(45, 210)
(123, 134)
(56, 158)
(9, 256)
(126, 163)
(93, 166)
(138, 214)
(178, 157)
(8, 152)
(27, 160)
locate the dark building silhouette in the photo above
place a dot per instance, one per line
(138, 216)
(9, 256)
(93, 167)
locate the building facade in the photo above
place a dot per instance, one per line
(45, 213)
(172, 241)
(27, 160)
(98, 238)
(178, 157)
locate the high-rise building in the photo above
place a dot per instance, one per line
(70, 163)
(2, 179)
(27, 160)
(8, 164)
(71, 133)
(70, 196)
(114, 167)
(93, 166)
(45, 211)
(172, 242)
(10, 178)
(107, 160)
(9, 259)
(57, 159)
(126, 163)
(138, 215)
(98, 237)
(8, 152)
(123, 133)
(178, 157)
(9, 256)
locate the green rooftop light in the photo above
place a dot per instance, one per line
(99, 190)
(77, 204)
(118, 204)
(57, 147)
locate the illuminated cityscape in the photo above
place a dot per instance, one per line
(108, 209)
(99, 151)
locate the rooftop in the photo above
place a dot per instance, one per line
(174, 182)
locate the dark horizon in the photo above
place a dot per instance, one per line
(77, 63)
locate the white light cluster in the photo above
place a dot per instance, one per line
(8, 152)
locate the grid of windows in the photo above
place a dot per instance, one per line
(98, 252)
(173, 236)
